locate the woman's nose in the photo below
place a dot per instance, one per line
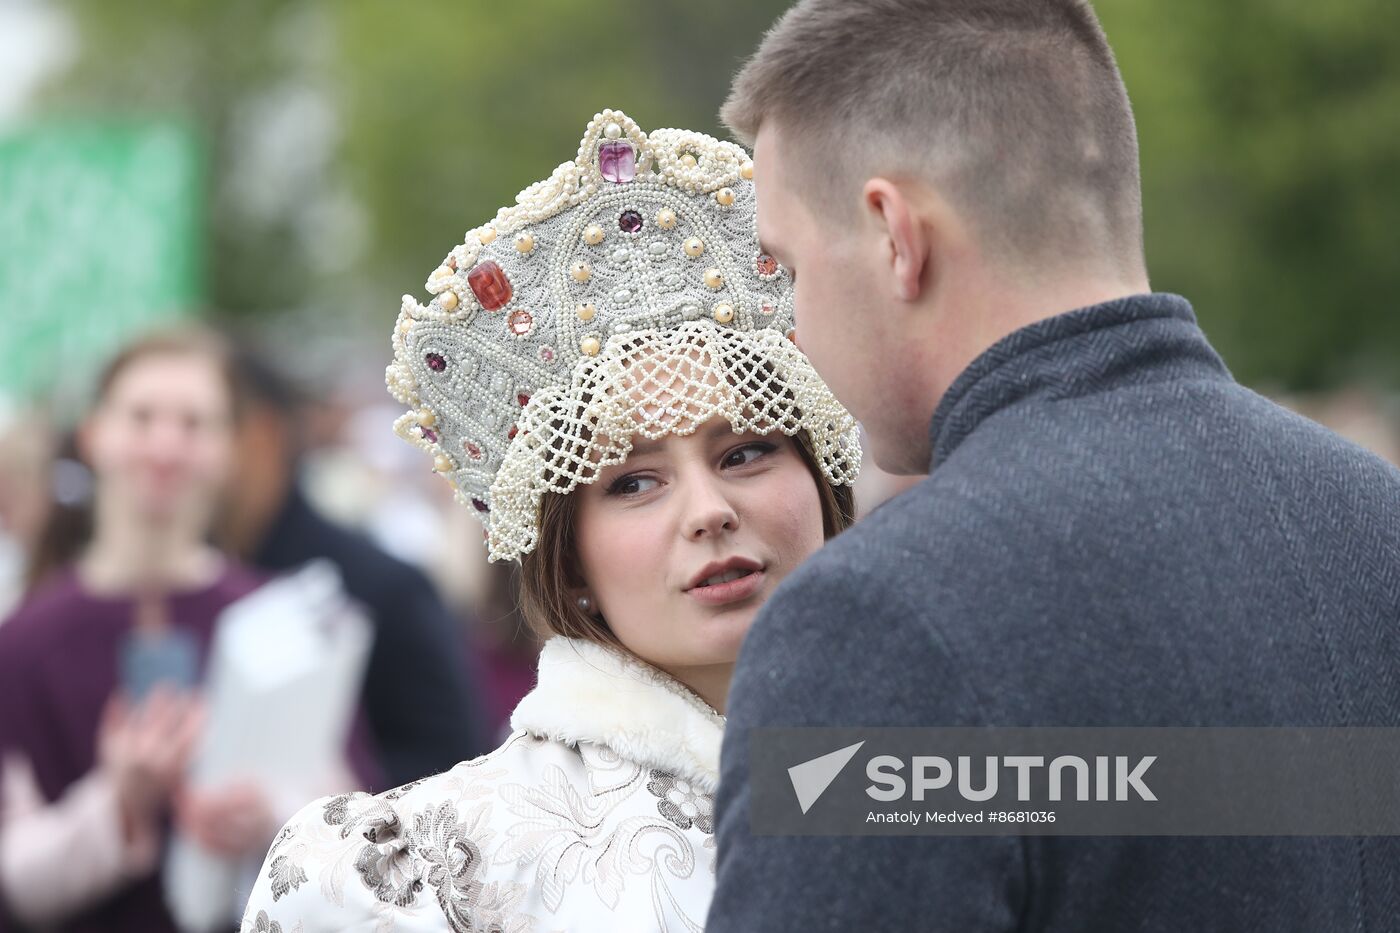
(709, 512)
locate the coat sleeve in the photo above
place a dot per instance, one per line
(838, 646)
(308, 881)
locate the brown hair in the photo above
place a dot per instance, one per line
(1015, 109)
(547, 572)
(68, 527)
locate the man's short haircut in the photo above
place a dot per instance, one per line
(1013, 109)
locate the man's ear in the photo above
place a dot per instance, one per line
(907, 242)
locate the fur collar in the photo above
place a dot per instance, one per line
(587, 692)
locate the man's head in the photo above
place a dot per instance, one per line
(936, 174)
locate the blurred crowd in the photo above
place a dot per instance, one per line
(198, 471)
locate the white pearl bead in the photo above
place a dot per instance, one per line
(612, 131)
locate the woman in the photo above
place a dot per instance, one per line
(605, 377)
(98, 665)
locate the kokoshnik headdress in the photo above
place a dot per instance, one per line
(624, 294)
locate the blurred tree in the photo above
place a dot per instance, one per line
(1270, 133)
(354, 141)
(221, 68)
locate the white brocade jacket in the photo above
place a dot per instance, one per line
(596, 814)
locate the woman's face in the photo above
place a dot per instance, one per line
(161, 439)
(660, 536)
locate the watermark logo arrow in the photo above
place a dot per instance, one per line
(811, 778)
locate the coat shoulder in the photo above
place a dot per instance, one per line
(397, 859)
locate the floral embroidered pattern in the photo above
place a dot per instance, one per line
(681, 803)
(543, 834)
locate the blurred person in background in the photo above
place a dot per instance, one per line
(422, 724)
(26, 452)
(92, 752)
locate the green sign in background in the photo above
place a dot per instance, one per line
(100, 235)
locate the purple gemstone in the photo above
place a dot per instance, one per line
(618, 162)
(630, 221)
(429, 434)
(480, 506)
(435, 362)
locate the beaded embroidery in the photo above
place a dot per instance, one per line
(613, 327)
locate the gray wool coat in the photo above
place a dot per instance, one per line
(1114, 532)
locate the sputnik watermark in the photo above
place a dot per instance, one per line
(934, 772)
(1076, 781)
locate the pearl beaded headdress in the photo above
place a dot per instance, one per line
(624, 294)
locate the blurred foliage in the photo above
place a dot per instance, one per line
(354, 141)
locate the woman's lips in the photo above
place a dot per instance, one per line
(721, 593)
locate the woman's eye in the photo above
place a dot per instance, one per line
(630, 485)
(747, 454)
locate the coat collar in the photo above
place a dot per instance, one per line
(1130, 341)
(587, 692)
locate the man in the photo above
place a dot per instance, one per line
(422, 713)
(1112, 531)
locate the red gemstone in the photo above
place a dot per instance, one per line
(630, 221)
(766, 265)
(617, 161)
(490, 285)
(514, 429)
(480, 506)
(435, 362)
(523, 399)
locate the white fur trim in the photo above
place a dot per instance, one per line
(590, 693)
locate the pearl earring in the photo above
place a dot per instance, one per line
(585, 604)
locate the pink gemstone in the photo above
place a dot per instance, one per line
(480, 506)
(617, 161)
(547, 354)
(766, 265)
(490, 285)
(429, 434)
(473, 450)
(630, 221)
(435, 362)
(520, 322)
(766, 309)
